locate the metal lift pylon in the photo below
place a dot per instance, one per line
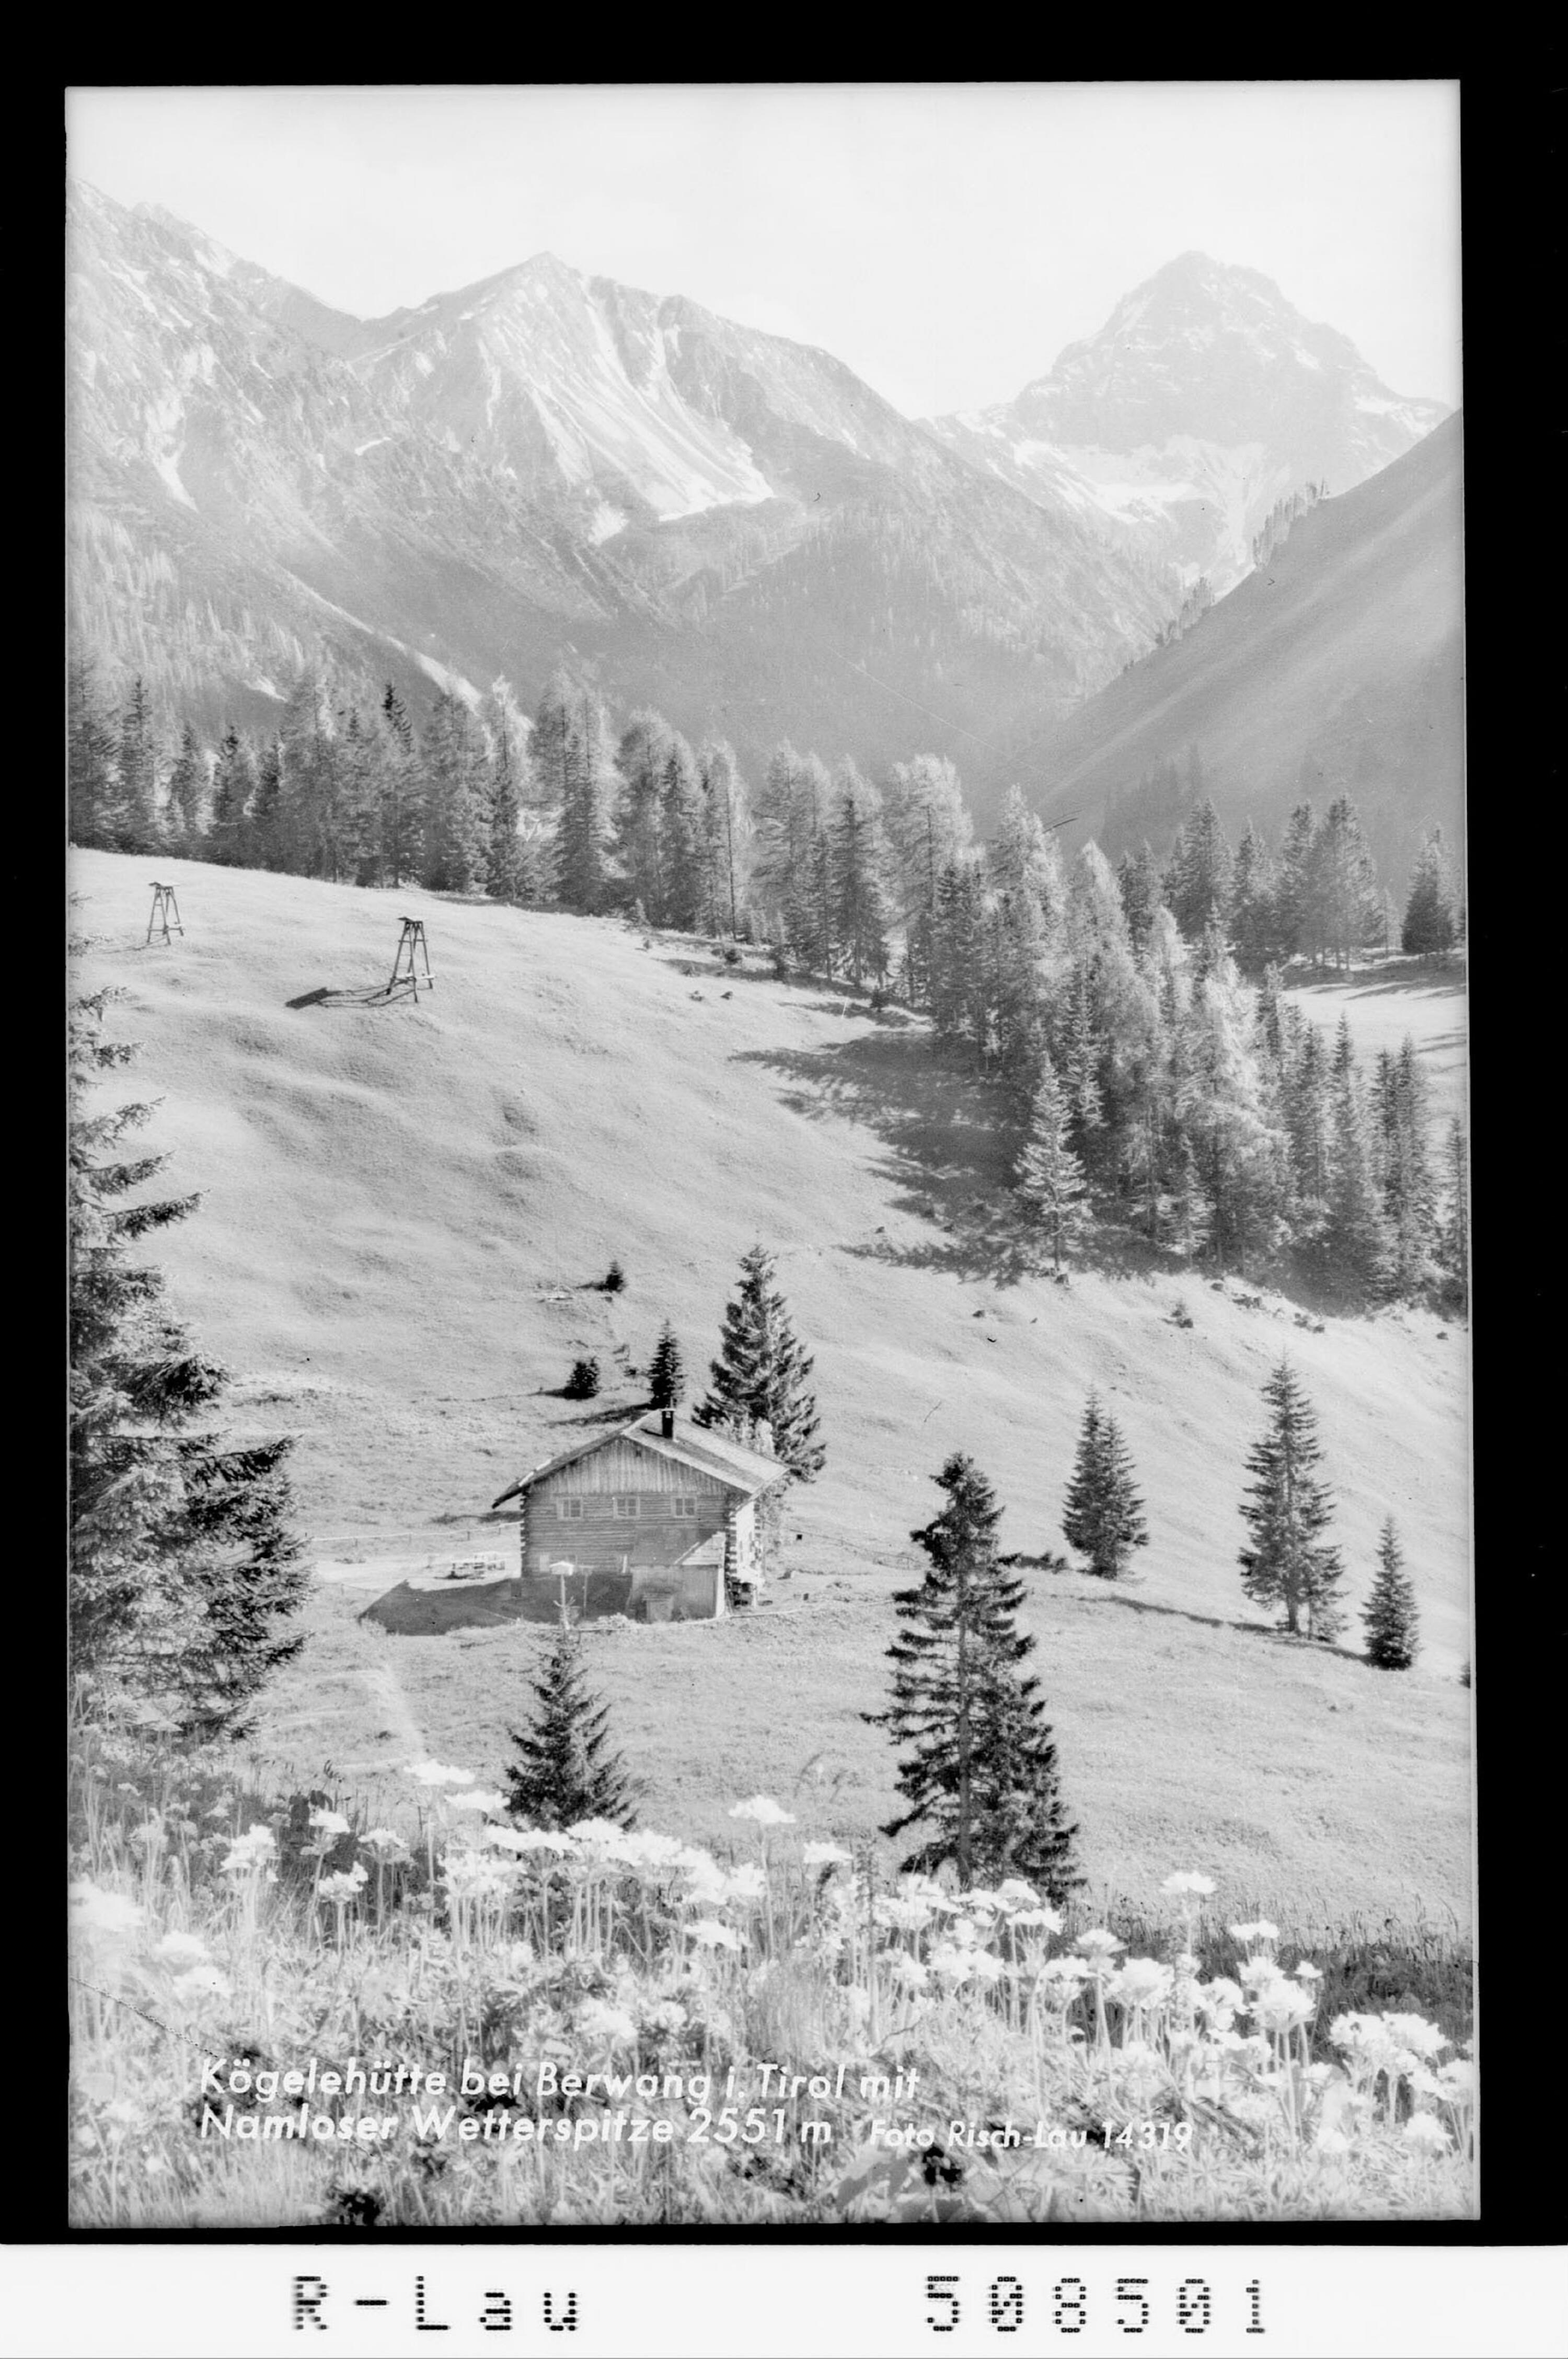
(163, 920)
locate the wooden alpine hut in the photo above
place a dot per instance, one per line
(657, 1520)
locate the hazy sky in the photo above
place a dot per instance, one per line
(946, 240)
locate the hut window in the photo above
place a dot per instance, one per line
(568, 1509)
(685, 1504)
(626, 1507)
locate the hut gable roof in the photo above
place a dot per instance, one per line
(723, 1461)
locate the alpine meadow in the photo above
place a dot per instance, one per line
(770, 1272)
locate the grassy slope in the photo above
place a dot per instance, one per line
(402, 1209)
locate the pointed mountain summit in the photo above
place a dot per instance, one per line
(1204, 398)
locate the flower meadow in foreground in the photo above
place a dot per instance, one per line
(627, 2028)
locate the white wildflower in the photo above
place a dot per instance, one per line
(599, 2020)
(1187, 1883)
(200, 1983)
(94, 1911)
(825, 1854)
(1426, 2129)
(710, 1935)
(189, 1947)
(765, 1812)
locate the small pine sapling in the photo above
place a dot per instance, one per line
(614, 1279)
(583, 1382)
(567, 1769)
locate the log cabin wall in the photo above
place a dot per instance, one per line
(620, 1503)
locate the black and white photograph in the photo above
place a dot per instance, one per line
(771, 1509)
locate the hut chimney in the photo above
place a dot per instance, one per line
(667, 1424)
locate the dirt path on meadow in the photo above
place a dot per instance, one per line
(385, 1689)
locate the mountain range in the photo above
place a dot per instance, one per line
(547, 467)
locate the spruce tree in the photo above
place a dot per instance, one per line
(234, 783)
(182, 1566)
(456, 820)
(1355, 1233)
(1287, 1508)
(1138, 882)
(567, 1769)
(1390, 1614)
(1254, 918)
(1430, 925)
(666, 1372)
(1103, 1513)
(761, 1372)
(185, 781)
(90, 758)
(581, 870)
(507, 865)
(978, 1770)
(1198, 881)
(135, 821)
(1050, 1179)
(681, 837)
(400, 818)
(1452, 1249)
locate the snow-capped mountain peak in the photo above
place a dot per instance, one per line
(1204, 397)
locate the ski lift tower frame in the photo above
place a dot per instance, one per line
(164, 918)
(411, 965)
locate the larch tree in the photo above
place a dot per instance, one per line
(978, 1768)
(727, 830)
(859, 906)
(1389, 1616)
(1050, 1179)
(566, 1769)
(1344, 890)
(1287, 1508)
(1103, 1516)
(183, 1569)
(761, 1375)
(926, 821)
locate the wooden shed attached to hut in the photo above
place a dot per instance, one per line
(657, 1520)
